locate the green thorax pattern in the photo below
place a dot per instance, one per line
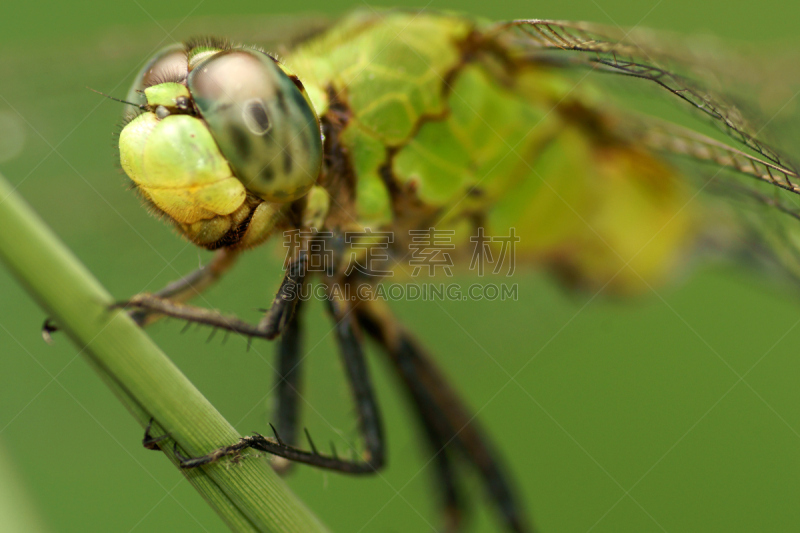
(441, 129)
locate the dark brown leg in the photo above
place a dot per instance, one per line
(288, 386)
(275, 319)
(369, 422)
(443, 413)
(191, 285)
(150, 442)
(178, 291)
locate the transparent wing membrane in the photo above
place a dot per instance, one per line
(674, 139)
(623, 55)
(751, 103)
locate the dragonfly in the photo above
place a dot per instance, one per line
(399, 122)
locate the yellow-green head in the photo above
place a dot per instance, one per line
(226, 139)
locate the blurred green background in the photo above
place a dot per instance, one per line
(625, 416)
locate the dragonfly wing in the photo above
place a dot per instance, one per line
(640, 55)
(674, 139)
(752, 188)
(743, 187)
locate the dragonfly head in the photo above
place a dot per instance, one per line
(223, 141)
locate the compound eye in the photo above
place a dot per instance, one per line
(168, 64)
(262, 122)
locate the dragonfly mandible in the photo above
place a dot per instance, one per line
(397, 121)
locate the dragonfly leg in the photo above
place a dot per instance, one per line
(286, 299)
(444, 413)
(287, 380)
(150, 442)
(191, 313)
(434, 424)
(369, 423)
(275, 319)
(178, 291)
(190, 285)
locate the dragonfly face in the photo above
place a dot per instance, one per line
(226, 142)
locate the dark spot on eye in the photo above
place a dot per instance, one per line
(256, 118)
(266, 174)
(287, 161)
(297, 82)
(241, 141)
(282, 102)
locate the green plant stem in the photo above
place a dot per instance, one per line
(249, 496)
